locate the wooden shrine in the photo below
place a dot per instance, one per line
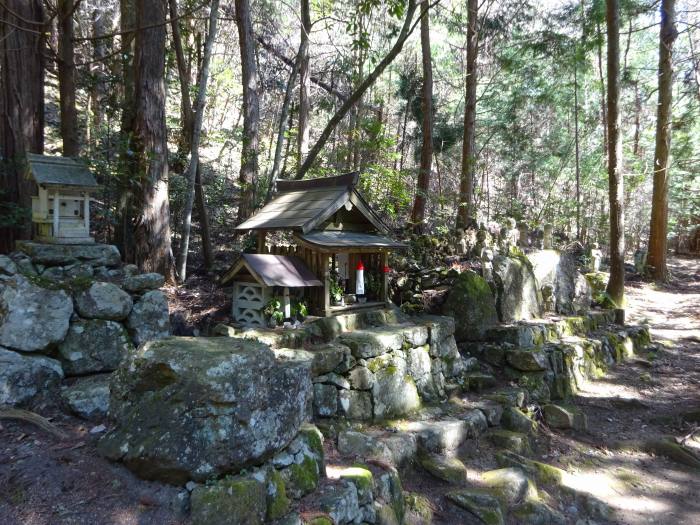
(334, 232)
(61, 210)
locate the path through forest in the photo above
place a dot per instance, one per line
(639, 402)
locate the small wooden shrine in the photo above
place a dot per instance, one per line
(61, 210)
(337, 239)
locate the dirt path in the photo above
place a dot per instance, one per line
(643, 400)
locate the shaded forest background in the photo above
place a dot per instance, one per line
(117, 82)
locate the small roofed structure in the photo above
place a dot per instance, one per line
(61, 210)
(337, 240)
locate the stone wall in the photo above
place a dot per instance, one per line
(379, 365)
(72, 311)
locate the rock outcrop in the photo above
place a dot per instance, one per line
(518, 295)
(472, 305)
(93, 345)
(192, 408)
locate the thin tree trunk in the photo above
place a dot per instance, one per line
(426, 156)
(465, 210)
(658, 233)
(194, 141)
(357, 94)
(101, 24)
(578, 154)
(304, 84)
(282, 129)
(153, 252)
(184, 78)
(66, 79)
(616, 284)
(251, 109)
(603, 105)
(203, 215)
(21, 110)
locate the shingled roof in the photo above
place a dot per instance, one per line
(59, 171)
(303, 205)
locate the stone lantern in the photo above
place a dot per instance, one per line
(61, 210)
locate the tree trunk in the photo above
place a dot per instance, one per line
(251, 109)
(203, 215)
(426, 156)
(357, 94)
(578, 153)
(21, 112)
(66, 79)
(616, 284)
(152, 232)
(184, 78)
(603, 106)
(304, 84)
(101, 24)
(194, 141)
(658, 233)
(282, 129)
(465, 210)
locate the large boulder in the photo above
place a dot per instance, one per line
(32, 318)
(103, 301)
(394, 390)
(194, 408)
(518, 294)
(560, 270)
(93, 345)
(24, 378)
(150, 319)
(472, 305)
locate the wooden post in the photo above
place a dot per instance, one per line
(43, 202)
(56, 211)
(86, 213)
(326, 287)
(261, 241)
(385, 278)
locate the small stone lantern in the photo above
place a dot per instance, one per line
(61, 210)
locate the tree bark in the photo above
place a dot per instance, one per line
(192, 168)
(281, 129)
(603, 106)
(426, 156)
(304, 84)
(251, 109)
(153, 252)
(66, 79)
(184, 78)
(21, 112)
(658, 232)
(616, 284)
(357, 94)
(465, 210)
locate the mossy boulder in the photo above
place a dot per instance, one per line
(180, 403)
(565, 416)
(27, 379)
(480, 502)
(528, 360)
(448, 469)
(518, 421)
(394, 391)
(301, 464)
(240, 500)
(541, 472)
(512, 441)
(363, 480)
(103, 301)
(419, 511)
(388, 488)
(472, 305)
(511, 485)
(518, 294)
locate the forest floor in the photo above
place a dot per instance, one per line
(48, 480)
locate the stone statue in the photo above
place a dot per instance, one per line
(487, 264)
(509, 235)
(523, 239)
(596, 257)
(640, 260)
(548, 298)
(547, 242)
